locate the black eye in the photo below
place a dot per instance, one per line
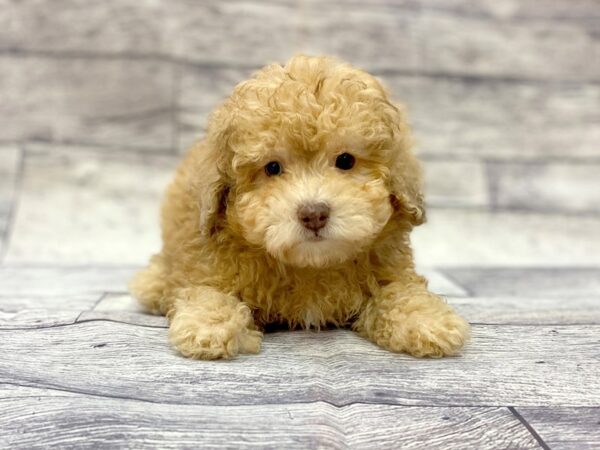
(345, 161)
(273, 168)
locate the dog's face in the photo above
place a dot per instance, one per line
(311, 153)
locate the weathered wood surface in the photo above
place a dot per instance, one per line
(108, 211)
(118, 103)
(457, 237)
(452, 48)
(557, 282)
(548, 186)
(559, 43)
(38, 418)
(508, 365)
(565, 428)
(37, 318)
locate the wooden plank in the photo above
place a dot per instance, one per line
(523, 310)
(231, 31)
(547, 186)
(109, 207)
(478, 37)
(40, 318)
(504, 365)
(456, 183)
(499, 119)
(58, 288)
(87, 100)
(565, 428)
(56, 281)
(461, 237)
(558, 282)
(43, 418)
(451, 40)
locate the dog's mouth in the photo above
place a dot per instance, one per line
(316, 237)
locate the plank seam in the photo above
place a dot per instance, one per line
(335, 405)
(62, 325)
(216, 64)
(526, 424)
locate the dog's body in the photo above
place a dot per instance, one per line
(296, 209)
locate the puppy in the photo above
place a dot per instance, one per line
(296, 209)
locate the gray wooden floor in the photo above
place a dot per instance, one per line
(97, 102)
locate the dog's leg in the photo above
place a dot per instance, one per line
(207, 324)
(406, 317)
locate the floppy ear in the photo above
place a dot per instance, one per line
(213, 201)
(406, 177)
(407, 198)
(213, 184)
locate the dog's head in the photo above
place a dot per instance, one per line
(310, 162)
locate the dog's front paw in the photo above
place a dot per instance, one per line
(423, 335)
(200, 339)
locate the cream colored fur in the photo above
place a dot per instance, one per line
(236, 257)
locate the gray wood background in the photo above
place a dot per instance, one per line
(99, 99)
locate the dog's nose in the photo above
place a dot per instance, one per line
(314, 216)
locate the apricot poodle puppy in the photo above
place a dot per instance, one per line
(296, 209)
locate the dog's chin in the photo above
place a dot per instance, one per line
(315, 252)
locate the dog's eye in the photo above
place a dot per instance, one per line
(273, 168)
(345, 161)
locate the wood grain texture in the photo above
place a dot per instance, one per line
(529, 311)
(460, 36)
(125, 103)
(39, 318)
(214, 31)
(505, 365)
(36, 418)
(433, 37)
(500, 119)
(547, 186)
(58, 288)
(565, 428)
(461, 237)
(557, 282)
(109, 207)
(452, 183)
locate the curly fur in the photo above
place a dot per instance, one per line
(235, 257)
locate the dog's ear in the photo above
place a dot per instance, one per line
(213, 185)
(406, 176)
(213, 201)
(406, 196)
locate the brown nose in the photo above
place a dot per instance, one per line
(314, 216)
